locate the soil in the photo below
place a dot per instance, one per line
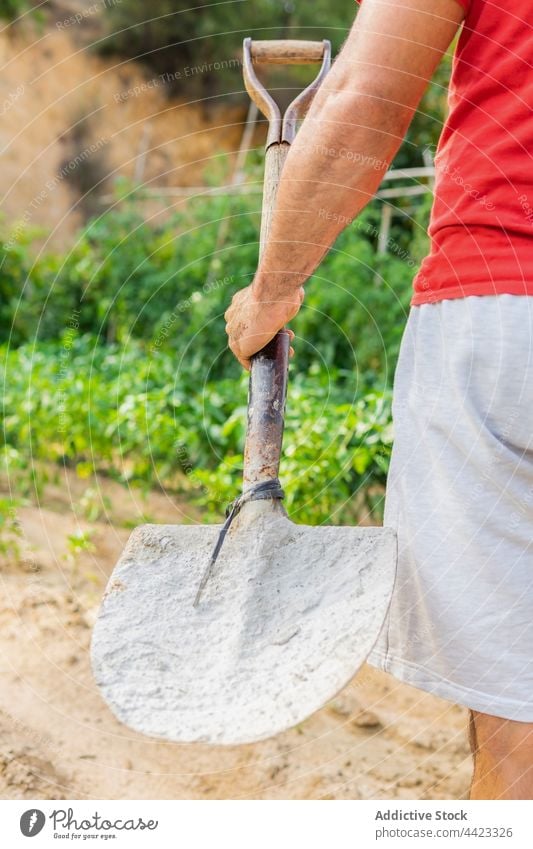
(378, 739)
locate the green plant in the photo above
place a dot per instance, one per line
(10, 532)
(163, 285)
(77, 543)
(12, 9)
(118, 411)
(94, 504)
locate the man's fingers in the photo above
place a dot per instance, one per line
(234, 348)
(291, 352)
(244, 361)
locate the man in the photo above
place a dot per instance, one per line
(460, 489)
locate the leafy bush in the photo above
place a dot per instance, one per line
(146, 419)
(164, 285)
(115, 357)
(9, 529)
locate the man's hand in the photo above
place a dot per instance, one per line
(252, 322)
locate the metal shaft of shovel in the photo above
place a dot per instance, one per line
(268, 374)
(267, 389)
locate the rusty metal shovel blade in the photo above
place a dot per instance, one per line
(286, 619)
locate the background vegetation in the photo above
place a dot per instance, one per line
(115, 361)
(113, 353)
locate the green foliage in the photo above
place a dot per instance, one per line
(165, 286)
(115, 358)
(356, 306)
(11, 9)
(142, 419)
(21, 12)
(426, 126)
(94, 504)
(123, 277)
(78, 543)
(9, 528)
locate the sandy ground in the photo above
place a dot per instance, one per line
(377, 740)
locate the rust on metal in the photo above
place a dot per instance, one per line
(266, 411)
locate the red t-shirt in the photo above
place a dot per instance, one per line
(481, 224)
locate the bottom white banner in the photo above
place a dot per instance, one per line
(267, 824)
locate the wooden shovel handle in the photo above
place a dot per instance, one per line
(287, 52)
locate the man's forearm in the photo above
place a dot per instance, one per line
(334, 168)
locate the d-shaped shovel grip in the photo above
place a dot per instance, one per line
(269, 367)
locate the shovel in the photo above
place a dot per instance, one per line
(232, 634)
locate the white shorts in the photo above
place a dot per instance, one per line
(460, 496)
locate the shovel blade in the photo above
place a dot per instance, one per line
(286, 619)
